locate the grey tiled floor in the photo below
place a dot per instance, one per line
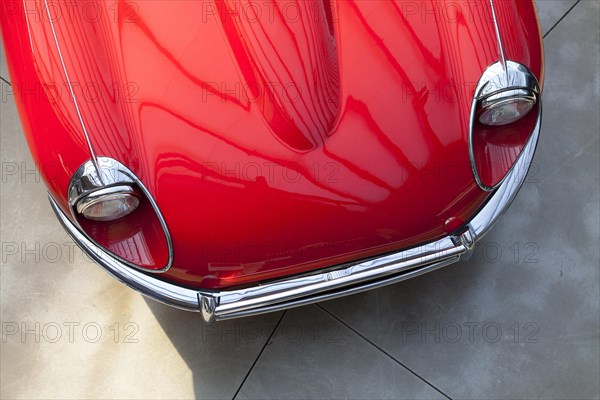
(519, 320)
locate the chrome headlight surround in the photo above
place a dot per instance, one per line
(106, 176)
(501, 83)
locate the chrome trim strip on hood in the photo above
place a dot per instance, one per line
(71, 92)
(498, 36)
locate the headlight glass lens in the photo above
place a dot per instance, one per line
(108, 207)
(507, 111)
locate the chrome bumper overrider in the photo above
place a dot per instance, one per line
(347, 279)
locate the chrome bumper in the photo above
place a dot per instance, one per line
(345, 280)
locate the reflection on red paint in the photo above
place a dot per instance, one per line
(138, 238)
(497, 148)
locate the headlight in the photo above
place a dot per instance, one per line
(108, 204)
(505, 111)
(113, 209)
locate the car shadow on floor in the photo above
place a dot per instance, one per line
(221, 354)
(218, 354)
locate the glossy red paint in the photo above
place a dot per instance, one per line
(276, 137)
(497, 148)
(138, 239)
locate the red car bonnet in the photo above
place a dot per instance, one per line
(275, 137)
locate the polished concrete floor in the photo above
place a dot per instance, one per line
(519, 320)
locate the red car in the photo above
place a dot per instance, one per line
(236, 157)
